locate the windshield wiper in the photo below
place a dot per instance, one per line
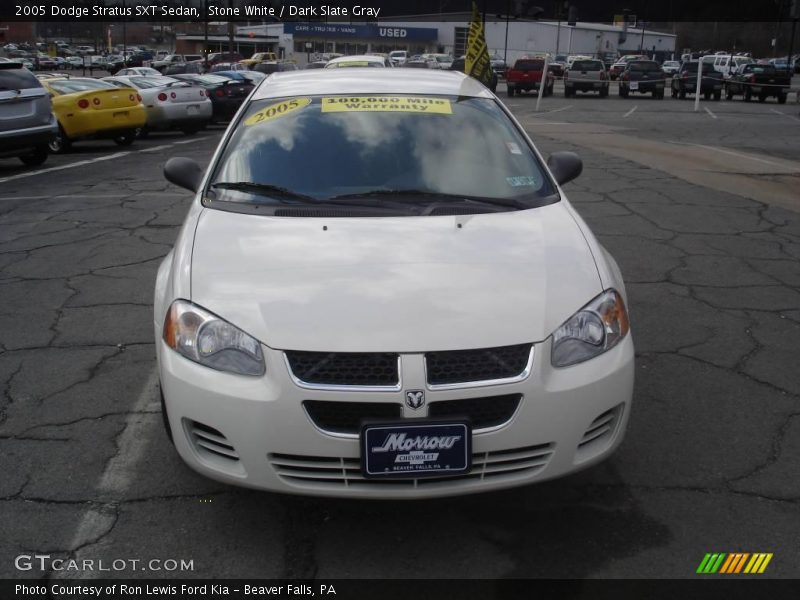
(263, 189)
(428, 196)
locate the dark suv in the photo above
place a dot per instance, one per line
(27, 123)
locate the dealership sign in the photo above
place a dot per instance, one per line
(371, 32)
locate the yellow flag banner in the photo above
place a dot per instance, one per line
(476, 61)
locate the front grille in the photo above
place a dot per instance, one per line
(346, 417)
(599, 435)
(208, 440)
(482, 412)
(345, 368)
(483, 364)
(322, 472)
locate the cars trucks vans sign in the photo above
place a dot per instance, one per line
(361, 31)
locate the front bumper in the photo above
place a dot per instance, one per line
(275, 445)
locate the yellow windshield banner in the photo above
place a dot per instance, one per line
(438, 106)
(279, 109)
(353, 63)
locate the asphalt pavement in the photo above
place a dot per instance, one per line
(701, 211)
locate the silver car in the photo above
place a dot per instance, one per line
(27, 123)
(170, 103)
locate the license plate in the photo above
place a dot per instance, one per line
(597, 85)
(396, 450)
(193, 109)
(121, 114)
(634, 85)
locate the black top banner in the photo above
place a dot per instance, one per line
(395, 589)
(258, 11)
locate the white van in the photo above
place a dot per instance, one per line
(726, 64)
(398, 56)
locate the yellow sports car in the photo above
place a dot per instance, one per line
(90, 108)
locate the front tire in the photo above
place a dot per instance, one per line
(782, 99)
(37, 157)
(510, 91)
(125, 139)
(748, 95)
(682, 94)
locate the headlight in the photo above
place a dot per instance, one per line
(597, 327)
(206, 339)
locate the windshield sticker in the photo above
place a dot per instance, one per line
(522, 181)
(438, 106)
(273, 111)
(513, 148)
(353, 63)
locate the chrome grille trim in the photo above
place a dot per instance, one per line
(485, 383)
(346, 388)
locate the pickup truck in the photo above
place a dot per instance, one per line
(587, 75)
(685, 81)
(761, 81)
(168, 61)
(643, 77)
(526, 75)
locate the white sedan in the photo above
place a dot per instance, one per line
(380, 290)
(140, 71)
(170, 103)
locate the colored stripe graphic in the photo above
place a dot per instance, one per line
(734, 563)
(711, 563)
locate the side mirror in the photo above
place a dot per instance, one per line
(183, 172)
(565, 166)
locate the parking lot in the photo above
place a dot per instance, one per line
(700, 209)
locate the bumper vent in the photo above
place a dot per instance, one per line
(344, 368)
(208, 440)
(339, 473)
(599, 435)
(482, 412)
(345, 417)
(484, 364)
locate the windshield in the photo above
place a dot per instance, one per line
(587, 65)
(760, 69)
(319, 148)
(529, 65)
(644, 66)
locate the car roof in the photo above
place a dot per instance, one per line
(365, 80)
(357, 57)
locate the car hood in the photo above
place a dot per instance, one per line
(403, 284)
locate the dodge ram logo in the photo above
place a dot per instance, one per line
(415, 399)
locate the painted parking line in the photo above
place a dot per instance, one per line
(630, 112)
(708, 110)
(120, 471)
(90, 161)
(777, 112)
(723, 151)
(560, 109)
(80, 163)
